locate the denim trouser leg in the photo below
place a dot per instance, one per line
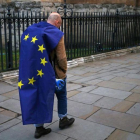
(38, 125)
(62, 101)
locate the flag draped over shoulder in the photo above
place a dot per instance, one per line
(36, 75)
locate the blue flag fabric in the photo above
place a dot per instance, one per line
(36, 74)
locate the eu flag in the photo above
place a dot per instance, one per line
(36, 74)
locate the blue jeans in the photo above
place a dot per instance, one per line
(62, 102)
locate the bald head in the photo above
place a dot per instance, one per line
(55, 19)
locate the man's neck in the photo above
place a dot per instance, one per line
(50, 22)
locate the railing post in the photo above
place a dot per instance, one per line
(65, 13)
(9, 43)
(115, 29)
(135, 28)
(65, 6)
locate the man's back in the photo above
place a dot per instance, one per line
(36, 75)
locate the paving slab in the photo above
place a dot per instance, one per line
(107, 102)
(116, 85)
(119, 94)
(134, 66)
(126, 80)
(10, 93)
(104, 70)
(6, 87)
(16, 96)
(132, 71)
(20, 132)
(78, 72)
(12, 81)
(88, 74)
(3, 98)
(135, 97)
(80, 67)
(135, 110)
(103, 74)
(69, 75)
(117, 69)
(107, 67)
(86, 79)
(70, 139)
(4, 118)
(83, 130)
(87, 89)
(93, 70)
(73, 87)
(74, 78)
(136, 89)
(116, 119)
(86, 98)
(1, 109)
(119, 73)
(9, 124)
(86, 69)
(76, 109)
(138, 69)
(79, 109)
(134, 76)
(94, 82)
(106, 78)
(95, 109)
(123, 106)
(20, 117)
(72, 93)
(9, 113)
(138, 131)
(122, 135)
(11, 104)
(115, 64)
(120, 68)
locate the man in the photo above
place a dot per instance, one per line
(36, 88)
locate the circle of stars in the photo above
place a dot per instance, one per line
(43, 61)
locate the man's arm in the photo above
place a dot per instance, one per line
(61, 55)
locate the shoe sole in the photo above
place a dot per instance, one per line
(41, 135)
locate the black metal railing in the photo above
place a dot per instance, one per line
(85, 33)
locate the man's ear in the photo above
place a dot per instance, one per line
(57, 21)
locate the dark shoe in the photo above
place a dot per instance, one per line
(41, 131)
(65, 122)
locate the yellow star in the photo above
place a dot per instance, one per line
(43, 61)
(20, 84)
(41, 48)
(40, 73)
(26, 37)
(31, 81)
(34, 39)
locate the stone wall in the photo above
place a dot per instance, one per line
(127, 2)
(77, 5)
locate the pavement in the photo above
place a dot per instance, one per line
(103, 97)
